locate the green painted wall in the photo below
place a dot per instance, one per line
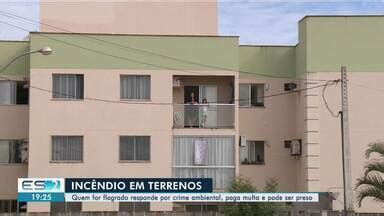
(355, 42)
(269, 60)
(11, 49)
(301, 49)
(215, 51)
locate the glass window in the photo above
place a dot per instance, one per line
(13, 92)
(135, 148)
(7, 92)
(65, 207)
(11, 151)
(8, 206)
(68, 86)
(252, 153)
(205, 157)
(134, 206)
(67, 148)
(251, 95)
(135, 87)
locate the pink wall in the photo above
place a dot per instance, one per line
(172, 17)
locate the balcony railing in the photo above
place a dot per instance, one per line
(210, 115)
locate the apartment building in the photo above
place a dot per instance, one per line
(127, 105)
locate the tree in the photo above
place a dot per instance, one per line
(244, 185)
(371, 184)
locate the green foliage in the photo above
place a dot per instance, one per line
(271, 186)
(244, 185)
(241, 185)
(372, 183)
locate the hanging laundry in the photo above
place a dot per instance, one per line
(201, 152)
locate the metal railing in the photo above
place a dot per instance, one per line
(211, 115)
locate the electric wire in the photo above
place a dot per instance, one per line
(125, 47)
(364, 86)
(325, 100)
(105, 100)
(165, 103)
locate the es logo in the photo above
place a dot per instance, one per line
(41, 185)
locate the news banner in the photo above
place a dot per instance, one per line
(140, 190)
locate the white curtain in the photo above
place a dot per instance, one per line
(69, 86)
(201, 152)
(135, 87)
(7, 92)
(67, 148)
(4, 151)
(10, 151)
(220, 164)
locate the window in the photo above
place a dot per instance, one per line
(11, 151)
(68, 86)
(205, 157)
(252, 153)
(201, 208)
(135, 148)
(7, 206)
(134, 206)
(251, 95)
(135, 87)
(67, 148)
(65, 207)
(13, 92)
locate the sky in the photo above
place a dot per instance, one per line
(260, 22)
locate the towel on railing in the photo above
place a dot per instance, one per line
(201, 152)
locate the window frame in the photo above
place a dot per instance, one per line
(67, 161)
(135, 99)
(10, 206)
(134, 151)
(18, 99)
(216, 165)
(53, 98)
(249, 86)
(19, 142)
(56, 207)
(254, 142)
(134, 205)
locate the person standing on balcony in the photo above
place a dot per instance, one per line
(192, 113)
(204, 109)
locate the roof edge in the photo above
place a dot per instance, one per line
(145, 35)
(17, 41)
(340, 16)
(282, 46)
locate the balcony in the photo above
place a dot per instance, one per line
(204, 115)
(203, 102)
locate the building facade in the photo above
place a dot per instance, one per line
(125, 105)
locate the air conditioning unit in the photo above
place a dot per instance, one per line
(296, 147)
(243, 141)
(176, 83)
(290, 86)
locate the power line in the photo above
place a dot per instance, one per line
(103, 53)
(104, 100)
(12, 16)
(119, 57)
(163, 103)
(325, 100)
(364, 86)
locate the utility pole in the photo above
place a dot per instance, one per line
(345, 145)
